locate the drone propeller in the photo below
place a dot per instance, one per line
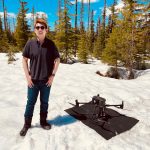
(72, 104)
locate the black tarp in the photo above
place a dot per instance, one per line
(114, 124)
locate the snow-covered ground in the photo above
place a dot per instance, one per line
(76, 81)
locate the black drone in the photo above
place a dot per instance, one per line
(104, 120)
(99, 107)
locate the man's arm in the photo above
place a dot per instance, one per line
(56, 64)
(26, 71)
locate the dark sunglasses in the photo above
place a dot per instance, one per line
(38, 27)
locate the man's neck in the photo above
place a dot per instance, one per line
(41, 40)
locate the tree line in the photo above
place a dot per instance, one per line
(123, 40)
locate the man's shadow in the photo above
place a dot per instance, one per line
(62, 120)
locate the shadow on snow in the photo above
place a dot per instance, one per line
(62, 120)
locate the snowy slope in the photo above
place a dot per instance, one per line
(76, 81)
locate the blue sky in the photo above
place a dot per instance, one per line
(49, 7)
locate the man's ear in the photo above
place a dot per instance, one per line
(46, 30)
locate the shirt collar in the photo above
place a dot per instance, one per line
(45, 40)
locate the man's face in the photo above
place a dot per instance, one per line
(40, 30)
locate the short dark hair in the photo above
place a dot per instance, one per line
(41, 21)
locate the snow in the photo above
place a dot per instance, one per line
(76, 81)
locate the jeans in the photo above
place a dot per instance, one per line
(39, 86)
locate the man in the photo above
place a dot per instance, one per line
(44, 62)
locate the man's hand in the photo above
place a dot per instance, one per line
(29, 81)
(50, 81)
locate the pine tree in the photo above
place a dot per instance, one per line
(33, 16)
(89, 7)
(111, 53)
(99, 44)
(104, 15)
(1, 28)
(98, 27)
(91, 34)
(100, 41)
(113, 16)
(81, 17)
(5, 16)
(83, 48)
(129, 26)
(98, 47)
(109, 26)
(64, 38)
(126, 42)
(103, 31)
(31, 34)
(50, 34)
(76, 28)
(4, 42)
(144, 37)
(11, 53)
(59, 11)
(1, 35)
(22, 29)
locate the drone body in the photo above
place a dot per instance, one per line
(99, 107)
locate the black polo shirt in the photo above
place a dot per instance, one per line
(41, 58)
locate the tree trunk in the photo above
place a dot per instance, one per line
(4, 10)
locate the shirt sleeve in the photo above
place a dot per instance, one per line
(26, 50)
(56, 53)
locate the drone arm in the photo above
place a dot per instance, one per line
(120, 106)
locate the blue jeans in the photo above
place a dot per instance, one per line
(39, 86)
